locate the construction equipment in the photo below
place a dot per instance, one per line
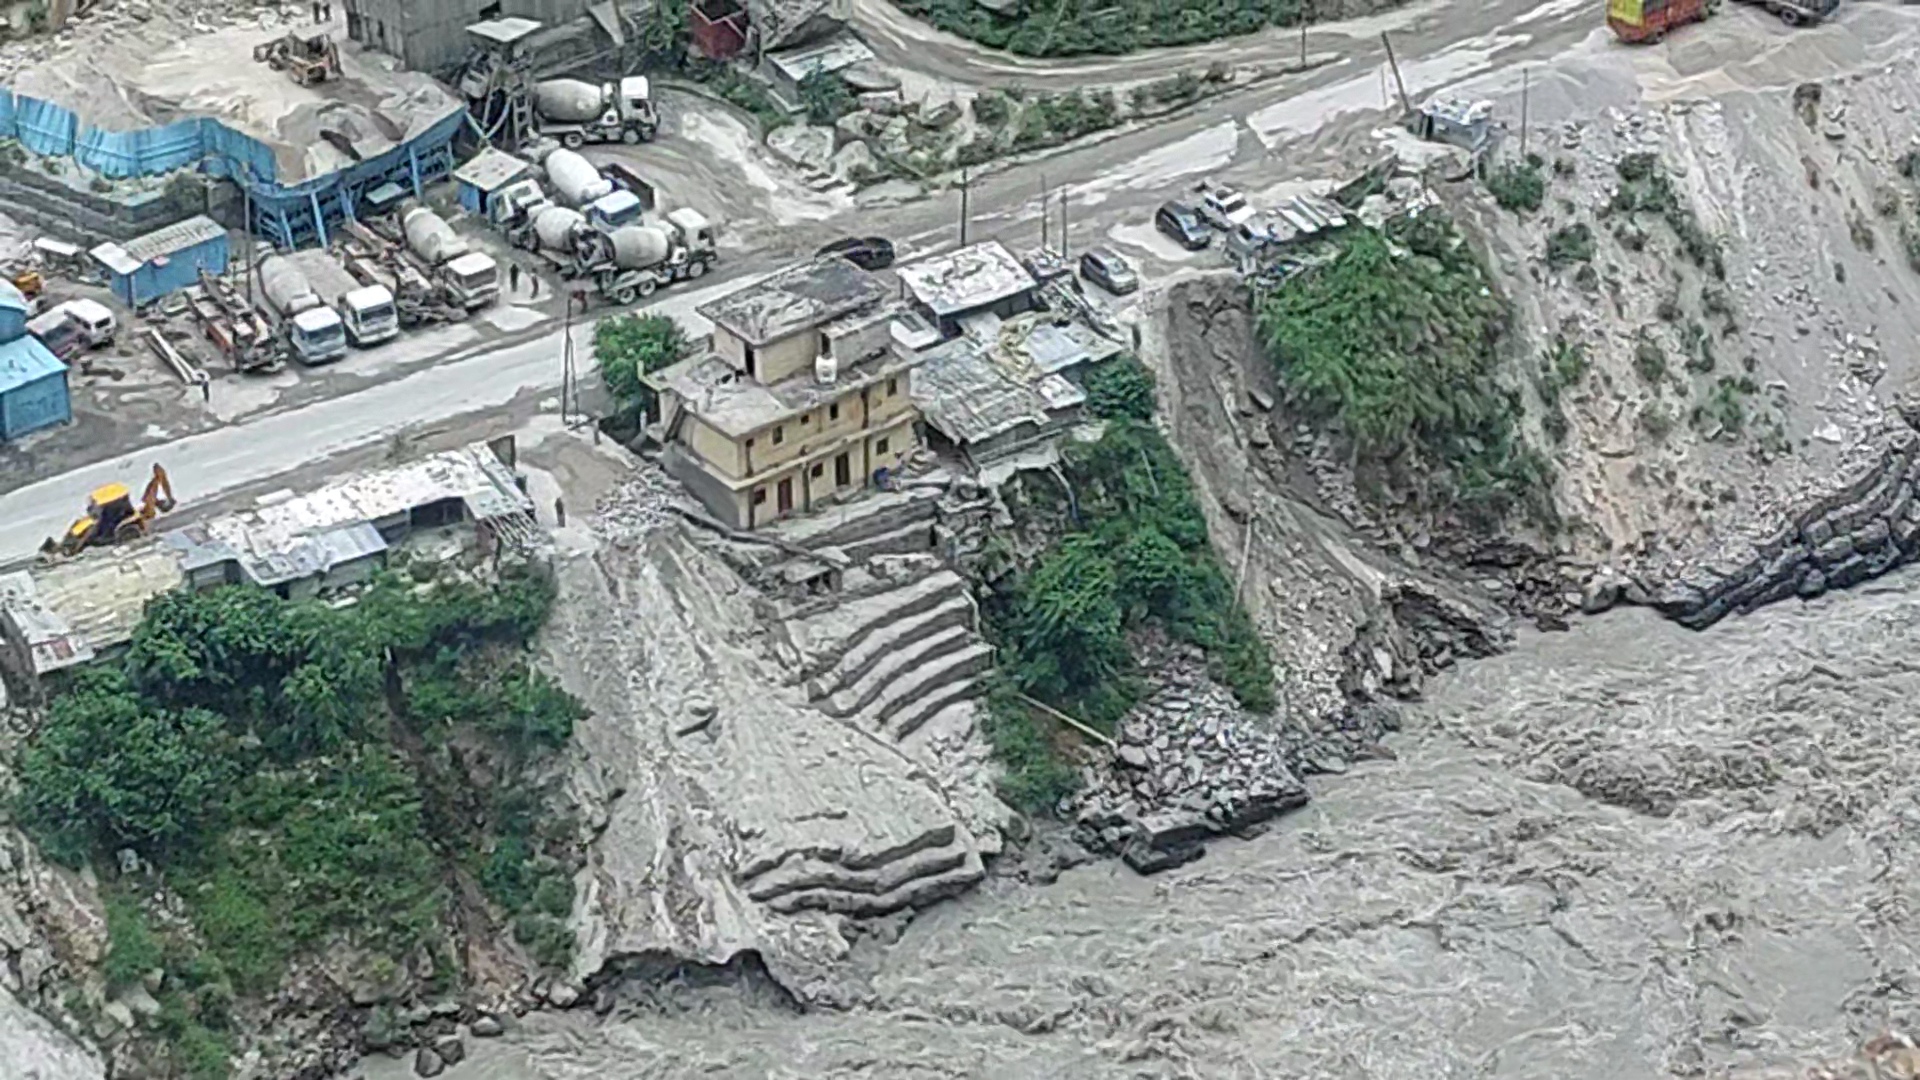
(309, 60)
(1641, 21)
(112, 518)
(30, 283)
(577, 113)
(630, 262)
(240, 333)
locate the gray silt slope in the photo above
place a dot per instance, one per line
(771, 793)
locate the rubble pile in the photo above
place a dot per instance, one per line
(119, 18)
(1190, 764)
(638, 507)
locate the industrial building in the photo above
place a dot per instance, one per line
(33, 381)
(431, 35)
(67, 613)
(485, 175)
(164, 261)
(805, 396)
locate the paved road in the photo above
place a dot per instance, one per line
(1266, 134)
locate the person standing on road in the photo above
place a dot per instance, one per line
(316, 12)
(513, 277)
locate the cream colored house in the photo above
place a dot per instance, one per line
(803, 397)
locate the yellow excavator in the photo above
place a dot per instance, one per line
(112, 518)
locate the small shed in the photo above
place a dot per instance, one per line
(33, 388)
(484, 176)
(164, 261)
(14, 310)
(719, 28)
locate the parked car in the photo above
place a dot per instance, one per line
(1224, 208)
(865, 252)
(61, 333)
(1109, 271)
(1184, 224)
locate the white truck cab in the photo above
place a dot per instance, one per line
(370, 315)
(472, 280)
(318, 336)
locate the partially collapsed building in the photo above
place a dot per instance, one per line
(63, 614)
(805, 396)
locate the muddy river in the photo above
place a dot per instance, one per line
(1624, 851)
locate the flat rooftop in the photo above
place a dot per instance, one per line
(164, 72)
(972, 277)
(798, 298)
(728, 401)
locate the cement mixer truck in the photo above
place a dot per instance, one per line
(577, 113)
(554, 232)
(469, 278)
(574, 180)
(313, 331)
(632, 261)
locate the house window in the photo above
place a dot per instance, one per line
(749, 358)
(880, 447)
(817, 470)
(833, 412)
(779, 435)
(749, 443)
(806, 418)
(893, 387)
(759, 496)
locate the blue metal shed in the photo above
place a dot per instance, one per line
(164, 261)
(482, 177)
(33, 388)
(13, 312)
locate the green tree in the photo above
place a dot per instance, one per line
(826, 97)
(1121, 387)
(628, 346)
(107, 772)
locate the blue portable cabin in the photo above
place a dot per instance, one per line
(33, 388)
(484, 176)
(164, 261)
(14, 311)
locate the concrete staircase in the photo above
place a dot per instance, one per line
(893, 660)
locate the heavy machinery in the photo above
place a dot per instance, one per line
(112, 518)
(632, 261)
(308, 60)
(577, 113)
(313, 330)
(237, 331)
(1639, 21)
(469, 278)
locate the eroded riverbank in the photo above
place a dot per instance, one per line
(1627, 850)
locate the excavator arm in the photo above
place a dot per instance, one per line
(158, 498)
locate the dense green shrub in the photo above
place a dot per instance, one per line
(1397, 343)
(1122, 388)
(1083, 27)
(1518, 187)
(273, 761)
(1570, 244)
(626, 347)
(826, 97)
(1134, 551)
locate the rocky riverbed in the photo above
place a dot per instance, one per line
(1627, 850)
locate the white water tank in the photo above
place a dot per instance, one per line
(574, 178)
(826, 370)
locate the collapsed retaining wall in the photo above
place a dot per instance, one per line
(1870, 525)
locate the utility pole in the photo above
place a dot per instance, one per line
(1525, 81)
(1043, 211)
(963, 207)
(1303, 43)
(1405, 105)
(1063, 223)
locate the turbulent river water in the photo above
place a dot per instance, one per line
(1628, 850)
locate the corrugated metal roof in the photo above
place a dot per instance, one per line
(491, 170)
(177, 237)
(25, 360)
(972, 277)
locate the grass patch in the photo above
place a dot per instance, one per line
(1570, 244)
(1646, 188)
(1103, 27)
(1518, 186)
(1396, 341)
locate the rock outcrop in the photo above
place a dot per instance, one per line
(1868, 524)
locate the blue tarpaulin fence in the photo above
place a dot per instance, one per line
(290, 215)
